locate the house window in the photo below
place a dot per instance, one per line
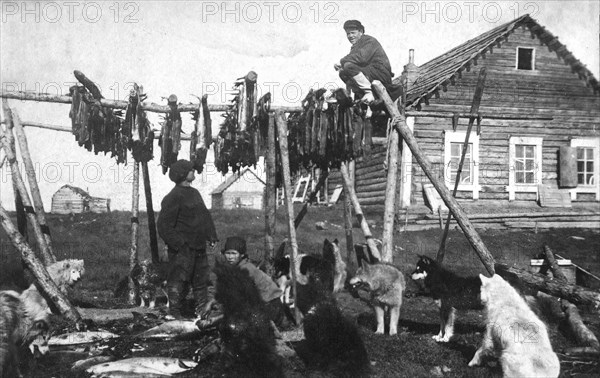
(453, 147)
(585, 166)
(588, 166)
(525, 58)
(525, 165)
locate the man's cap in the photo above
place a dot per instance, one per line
(179, 170)
(235, 243)
(354, 25)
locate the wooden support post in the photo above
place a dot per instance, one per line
(400, 123)
(135, 222)
(38, 205)
(39, 271)
(474, 109)
(311, 198)
(282, 131)
(270, 193)
(573, 293)
(389, 210)
(47, 258)
(350, 255)
(150, 214)
(349, 189)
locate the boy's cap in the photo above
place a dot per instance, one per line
(179, 170)
(235, 243)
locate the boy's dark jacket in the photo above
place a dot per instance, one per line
(184, 219)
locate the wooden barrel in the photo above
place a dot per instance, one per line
(568, 167)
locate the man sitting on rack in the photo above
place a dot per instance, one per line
(367, 61)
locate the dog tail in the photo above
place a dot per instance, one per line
(334, 340)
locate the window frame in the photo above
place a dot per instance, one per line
(459, 137)
(514, 187)
(532, 59)
(588, 142)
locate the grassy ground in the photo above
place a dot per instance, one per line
(103, 241)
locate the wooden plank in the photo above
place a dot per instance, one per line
(553, 197)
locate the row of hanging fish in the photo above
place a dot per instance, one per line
(238, 142)
(95, 127)
(330, 130)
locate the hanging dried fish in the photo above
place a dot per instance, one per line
(201, 138)
(138, 127)
(170, 135)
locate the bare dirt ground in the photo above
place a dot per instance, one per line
(102, 240)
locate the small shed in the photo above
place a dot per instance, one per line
(244, 190)
(70, 200)
(73, 200)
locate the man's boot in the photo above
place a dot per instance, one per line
(175, 302)
(365, 85)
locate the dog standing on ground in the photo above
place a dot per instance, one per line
(516, 335)
(386, 284)
(21, 325)
(450, 292)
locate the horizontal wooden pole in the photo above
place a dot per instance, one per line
(119, 104)
(157, 108)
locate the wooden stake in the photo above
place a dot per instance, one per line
(133, 252)
(389, 209)
(47, 258)
(270, 193)
(33, 184)
(400, 123)
(150, 214)
(39, 271)
(348, 188)
(474, 109)
(287, 188)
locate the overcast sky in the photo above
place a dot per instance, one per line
(196, 47)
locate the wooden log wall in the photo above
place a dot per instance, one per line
(550, 90)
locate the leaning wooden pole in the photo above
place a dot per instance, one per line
(38, 204)
(270, 192)
(389, 211)
(19, 208)
(461, 217)
(282, 133)
(474, 109)
(47, 258)
(135, 222)
(150, 214)
(349, 189)
(39, 271)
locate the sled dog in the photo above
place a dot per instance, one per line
(386, 285)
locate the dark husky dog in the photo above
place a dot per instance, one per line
(450, 291)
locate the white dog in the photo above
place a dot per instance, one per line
(516, 335)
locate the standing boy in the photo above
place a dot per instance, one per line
(186, 226)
